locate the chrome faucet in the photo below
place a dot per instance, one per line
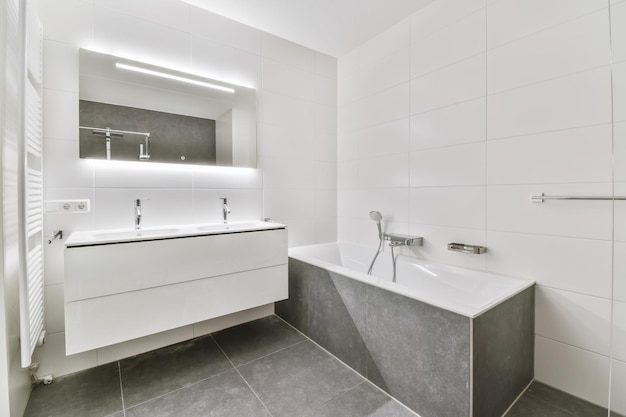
(225, 209)
(138, 213)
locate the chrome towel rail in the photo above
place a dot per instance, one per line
(115, 132)
(540, 198)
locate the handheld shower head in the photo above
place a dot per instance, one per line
(377, 217)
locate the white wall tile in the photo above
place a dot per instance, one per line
(578, 100)
(619, 220)
(60, 70)
(618, 31)
(573, 155)
(115, 207)
(225, 177)
(286, 111)
(301, 231)
(326, 147)
(454, 84)
(392, 203)
(396, 38)
(326, 229)
(438, 206)
(176, 15)
(60, 115)
(436, 239)
(384, 139)
(68, 21)
(451, 165)
(578, 265)
(225, 63)
(348, 174)
(287, 52)
(388, 171)
(348, 90)
(619, 330)
(325, 204)
(325, 91)
(619, 151)
(348, 64)
(575, 319)
(284, 142)
(288, 173)
(619, 274)
(455, 43)
(347, 202)
(280, 204)
(452, 125)
(244, 205)
(142, 40)
(138, 175)
(582, 44)
(326, 176)
(348, 118)
(326, 66)
(513, 19)
(389, 105)
(348, 229)
(618, 387)
(573, 370)
(288, 80)
(347, 146)
(440, 14)
(325, 119)
(62, 166)
(54, 305)
(619, 92)
(510, 210)
(383, 74)
(225, 31)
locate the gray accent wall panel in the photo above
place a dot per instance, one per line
(503, 353)
(418, 353)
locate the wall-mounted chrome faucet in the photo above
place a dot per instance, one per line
(138, 213)
(225, 209)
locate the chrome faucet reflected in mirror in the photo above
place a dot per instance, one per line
(138, 212)
(225, 209)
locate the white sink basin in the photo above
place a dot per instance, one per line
(100, 237)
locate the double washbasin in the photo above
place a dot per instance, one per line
(100, 237)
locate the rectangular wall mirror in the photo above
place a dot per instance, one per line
(134, 111)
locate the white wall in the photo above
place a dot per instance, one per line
(296, 179)
(449, 120)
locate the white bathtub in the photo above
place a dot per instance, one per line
(461, 290)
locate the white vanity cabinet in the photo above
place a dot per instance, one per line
(118, 291)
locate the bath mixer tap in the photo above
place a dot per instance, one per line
(225, 209)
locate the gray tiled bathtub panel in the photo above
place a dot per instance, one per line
(330, 309)
(418, 353)
(503, 353)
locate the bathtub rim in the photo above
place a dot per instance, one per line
(470, 312)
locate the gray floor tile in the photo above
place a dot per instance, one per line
(298, 379)
(573, 405)
(91, 393)
(224, 395)
(158, 372)
(528, 406)
(364, 400)
(253, 340)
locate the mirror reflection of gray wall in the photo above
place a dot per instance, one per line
(173, 137)
(135, 86)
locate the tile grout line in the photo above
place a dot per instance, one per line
(241, 376)
(269, 354)
(308, 413)
(119, 374)
(350, 368)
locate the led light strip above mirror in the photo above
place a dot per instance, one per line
(172, 77)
